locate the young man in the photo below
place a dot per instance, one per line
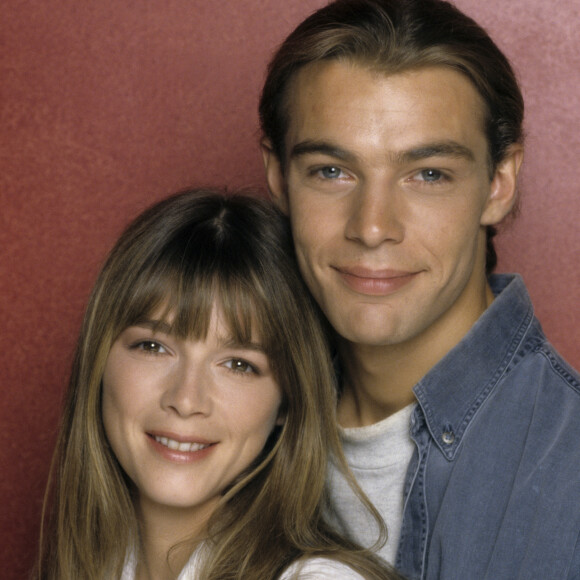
(393, 140)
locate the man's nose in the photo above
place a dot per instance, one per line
(376, 214)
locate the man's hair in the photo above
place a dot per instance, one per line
(393, 36)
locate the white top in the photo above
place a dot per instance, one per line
(320, 569)
(307, 569)
(378, 456)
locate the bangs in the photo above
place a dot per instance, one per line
(183, 296)
(196, 252)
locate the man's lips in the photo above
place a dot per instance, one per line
(380, 282)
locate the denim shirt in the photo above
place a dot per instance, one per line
(493, 489)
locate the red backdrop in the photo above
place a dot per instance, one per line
(107, 106)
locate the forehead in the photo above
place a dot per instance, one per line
(359, 109)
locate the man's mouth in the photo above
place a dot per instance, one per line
(374, 282)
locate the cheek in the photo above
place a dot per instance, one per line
(308, 249)
(452, 237)
(314, 220)
(112, 423)
(109, 405)
(268, 419)
(120, 407)
(128, 388)
(113, 412)
(111, 392)
(316, 234)
(254, 420)
(302, 230)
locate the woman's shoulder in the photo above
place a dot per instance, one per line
(320, 568)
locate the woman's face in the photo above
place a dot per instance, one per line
(185, 417)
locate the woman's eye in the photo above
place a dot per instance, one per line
(149, 346)
(239, 365)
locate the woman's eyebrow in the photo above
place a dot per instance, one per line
(155, 325)
(227, 340)
(230, 342)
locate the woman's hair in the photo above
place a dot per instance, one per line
(184, 255)
(394, 36)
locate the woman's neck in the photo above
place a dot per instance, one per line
(168, 537)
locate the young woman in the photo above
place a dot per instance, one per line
(199, 419)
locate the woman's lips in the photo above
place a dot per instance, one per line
(374, 282)
(180, 446)
(180, 449)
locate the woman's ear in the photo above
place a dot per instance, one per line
(281, 418)
(274, 175)
(503, 190)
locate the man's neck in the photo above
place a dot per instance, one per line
(378, 381)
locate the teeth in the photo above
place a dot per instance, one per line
(177, 446)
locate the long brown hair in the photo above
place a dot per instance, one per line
(393, 36)
(185, 254)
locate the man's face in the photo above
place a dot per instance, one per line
(387, 184)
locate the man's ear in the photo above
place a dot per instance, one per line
(274, 175)
(503, 189)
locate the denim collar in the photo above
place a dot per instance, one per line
(451, 393)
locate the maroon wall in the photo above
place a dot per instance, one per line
(106, 106)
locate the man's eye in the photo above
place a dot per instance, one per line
(431, 175)
(330, 172)
(239, 365)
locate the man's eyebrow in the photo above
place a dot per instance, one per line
(438, 149)
(310, 146)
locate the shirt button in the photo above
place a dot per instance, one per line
(448, 437)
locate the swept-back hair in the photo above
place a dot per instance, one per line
(184, 256)
(393, 36)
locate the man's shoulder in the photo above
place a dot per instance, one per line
(562, 370)
(515, 472)
(543, 392)
(540, 366)
(533, 358)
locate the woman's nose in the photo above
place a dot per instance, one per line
(188, 390)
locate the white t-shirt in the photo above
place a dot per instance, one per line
(378, 456)
(307, 569)
(320, 569)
